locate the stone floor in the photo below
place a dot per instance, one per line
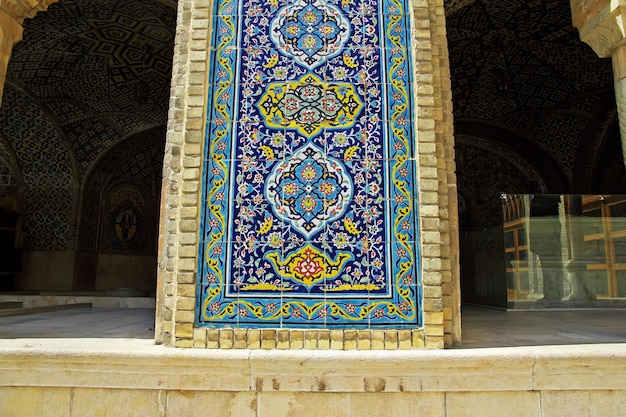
(481, 327)
(135, 323)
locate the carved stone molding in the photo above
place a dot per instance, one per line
(600, 24)
(608, 35)
(12, 14)
(22, 9)
(588, 13)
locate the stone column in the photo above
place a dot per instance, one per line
(619, 73)
(602, 25)
(12, 14)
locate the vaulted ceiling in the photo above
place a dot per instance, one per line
(531, 101)
(100, 70)
(89, 82)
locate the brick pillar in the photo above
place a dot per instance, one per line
(602, 25)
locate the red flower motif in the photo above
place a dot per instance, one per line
(308, 268)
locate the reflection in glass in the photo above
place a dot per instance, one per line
(563, 251)
(621, 283)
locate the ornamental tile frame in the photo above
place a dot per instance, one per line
(307, 185)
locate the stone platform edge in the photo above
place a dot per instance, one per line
(139, 364)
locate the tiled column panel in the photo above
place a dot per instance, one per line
(183, 236)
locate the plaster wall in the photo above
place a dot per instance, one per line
(125, 271)
(46, 271)
(56, 271)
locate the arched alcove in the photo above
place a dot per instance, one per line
(125, 181)
(85, 82)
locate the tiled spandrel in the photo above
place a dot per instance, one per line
(309, 186)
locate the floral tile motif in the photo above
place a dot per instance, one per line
(309, 191)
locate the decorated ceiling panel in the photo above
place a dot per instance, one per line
(518, 69)
(87, 75)
(46, 164)
(107, 56)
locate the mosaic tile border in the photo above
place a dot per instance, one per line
(313, 99)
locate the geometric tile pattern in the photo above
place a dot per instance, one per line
(137, 160)
(8, 169)
(46, 169)
(128, 125)
(530, 46)
(8, 183)
(560, 134)
(89, 140)
(136, 168)
(521, 66)
(586, 104)
(82, 64)
(309, 216)
(521, 122)
(104, 54)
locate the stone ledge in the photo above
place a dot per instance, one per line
(140, 364)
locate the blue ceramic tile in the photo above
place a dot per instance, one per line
(309, 215)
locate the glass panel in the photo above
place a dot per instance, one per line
(621, 283)
(523, 255)
(619, 250)
(523, 280)
(598, 281)
(521, 236)
(618, 210)
(569, 252)
(594, 223)
(509, 239)
(594, 252)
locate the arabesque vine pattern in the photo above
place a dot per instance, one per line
(309, 202)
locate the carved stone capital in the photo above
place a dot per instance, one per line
(608, 35)
(22, 9)
(601, 24)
